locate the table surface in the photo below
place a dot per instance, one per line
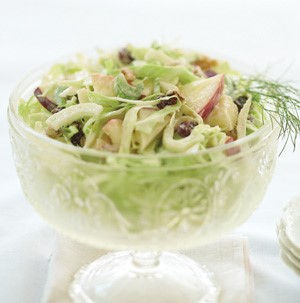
(264, 34)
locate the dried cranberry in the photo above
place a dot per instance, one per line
(45, 102)
(185, 128)
(162, 104)
(210, 73)
(76, 139)
(240, 102)
(125, 56)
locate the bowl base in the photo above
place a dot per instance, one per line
(126, 277)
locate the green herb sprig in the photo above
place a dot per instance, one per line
(280, 100)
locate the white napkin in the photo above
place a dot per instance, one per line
(228, 259)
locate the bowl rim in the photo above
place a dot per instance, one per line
(22, 128)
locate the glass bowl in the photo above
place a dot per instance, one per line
(143, 205)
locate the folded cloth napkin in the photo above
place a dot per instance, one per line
(228, 259)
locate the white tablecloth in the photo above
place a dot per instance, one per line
(261, 33)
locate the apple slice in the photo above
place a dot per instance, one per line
(113, 129)
(204, 94)
(224, 114)
(103, 84)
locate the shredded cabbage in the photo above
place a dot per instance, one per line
(154, 100)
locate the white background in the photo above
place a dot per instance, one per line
(263, 34)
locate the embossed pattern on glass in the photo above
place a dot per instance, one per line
(142, 203)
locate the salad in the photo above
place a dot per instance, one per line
(155, 100)
(135, 132)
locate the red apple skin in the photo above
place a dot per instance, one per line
(204, 94)
(229, 139)
(206, 110)
(231, 151)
